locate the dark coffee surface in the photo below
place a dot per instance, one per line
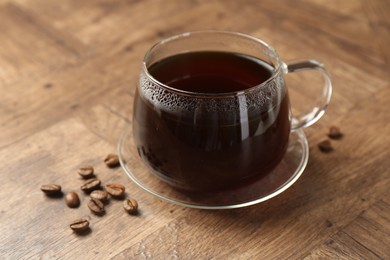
(211, 72)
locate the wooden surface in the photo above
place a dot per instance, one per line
(68, 70)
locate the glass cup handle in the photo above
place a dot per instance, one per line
(321, 103)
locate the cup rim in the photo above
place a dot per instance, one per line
(280, 66)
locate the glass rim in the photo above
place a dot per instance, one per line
(280, 66)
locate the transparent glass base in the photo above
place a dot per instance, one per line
(281, 178)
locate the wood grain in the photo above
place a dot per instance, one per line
(68, 72)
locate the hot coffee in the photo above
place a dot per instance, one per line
(208, 144)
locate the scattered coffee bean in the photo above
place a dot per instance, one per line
(101, 195)
(96, 206)
(325, 146)
(112, 160)
(72, 199)
(86, 172)
(130, 205)
(51, 189)
(335, 133)
(115, 189)
(90, 185)
(79, 225)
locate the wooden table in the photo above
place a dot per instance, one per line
(68, 71)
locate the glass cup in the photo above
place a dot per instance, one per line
(202, 140)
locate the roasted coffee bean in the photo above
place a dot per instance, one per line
(335, 133)
(91, 185)
(101, 195)
(79, 225)
(325, 146)
(86, 171)
(51, 189)
(72, 199)
(115, 189)
(112, 160)
(131, 206)
(96, 206)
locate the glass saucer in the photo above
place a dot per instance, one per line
(282, 177)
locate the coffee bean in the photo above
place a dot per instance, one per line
(96, 206)
(115, 189)
(79, 225)
(112, 160)
(130, 205)
(86, 172)
(101, 195)
(72, 199)
(51, 189)
(335, 133)
(90, 185)
(325, 146)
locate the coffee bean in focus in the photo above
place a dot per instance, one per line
(79, 225)
(112, 160)
(101, 195)
(86, 172)
(116, 190)
(51, 189)
(72, 199)
(96, 206)
(90, 185)
(131, 206)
